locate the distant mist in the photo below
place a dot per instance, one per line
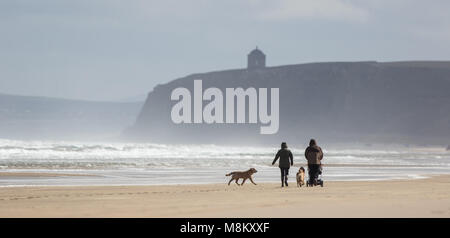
(41, 118)
(338, 102)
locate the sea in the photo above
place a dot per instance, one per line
(117, 163)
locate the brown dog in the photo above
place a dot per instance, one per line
(242, 175)
(301, 177)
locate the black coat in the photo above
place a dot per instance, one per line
(286, 158)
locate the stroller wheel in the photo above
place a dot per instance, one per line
(321, 183)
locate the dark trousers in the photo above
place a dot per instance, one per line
(284, 176)
(313, 172)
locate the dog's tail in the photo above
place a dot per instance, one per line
(229, 174)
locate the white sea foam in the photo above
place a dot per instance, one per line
(145, 163)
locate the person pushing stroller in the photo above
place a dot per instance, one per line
(314, 156)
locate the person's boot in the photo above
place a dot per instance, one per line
(285, 181)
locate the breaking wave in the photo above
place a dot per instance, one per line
(127, 160)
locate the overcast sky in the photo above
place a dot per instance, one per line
(112, 49)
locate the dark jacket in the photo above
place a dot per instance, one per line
(314, 154)
(286, 158)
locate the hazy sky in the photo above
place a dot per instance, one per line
(112, 49)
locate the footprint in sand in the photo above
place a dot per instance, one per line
(438, 212)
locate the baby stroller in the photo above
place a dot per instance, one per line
(317, 180)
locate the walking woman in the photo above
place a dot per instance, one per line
(286, 161)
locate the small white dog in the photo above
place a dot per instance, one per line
(301, 177)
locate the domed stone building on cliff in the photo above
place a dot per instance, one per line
(256, 59)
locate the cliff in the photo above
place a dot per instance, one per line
(398, 102)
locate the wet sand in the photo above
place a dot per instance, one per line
(398, 198)
(37, 175)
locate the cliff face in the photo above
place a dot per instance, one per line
(403, 102)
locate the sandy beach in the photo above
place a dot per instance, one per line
(37, 175)
(399, 198)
